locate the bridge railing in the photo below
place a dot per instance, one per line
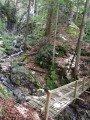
(74, 89)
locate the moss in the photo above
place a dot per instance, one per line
(22, 59)
(28, 61)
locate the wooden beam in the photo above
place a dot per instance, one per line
(75, 91)
(81, 99)
(83, 84)
(87, 92)
(47, 105)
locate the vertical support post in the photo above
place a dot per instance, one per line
(83, 84)
(75, 91)
(47, 105)
(89, 82)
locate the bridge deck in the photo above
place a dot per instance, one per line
(60, 97)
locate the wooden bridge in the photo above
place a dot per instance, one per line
(57, 99)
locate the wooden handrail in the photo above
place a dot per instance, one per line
(75, 91)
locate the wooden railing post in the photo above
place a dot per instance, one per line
(89, 82)
(83, 84)
(75, 92)
(47, 105)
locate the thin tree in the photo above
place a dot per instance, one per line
(28, 15)
(81, 35)
(53, 60)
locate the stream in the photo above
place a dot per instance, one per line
(70, 113)
(5, 64)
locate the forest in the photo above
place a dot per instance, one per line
(44, 47)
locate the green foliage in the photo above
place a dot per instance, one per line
(3, 111)
(19, 69)
(40, 32)
(87, 32)
(22, 59)
(18, 82)
(73, 29)
(52, 78)
(44, 57)
(28, 61)
(51, 84)
(87, 73)
(63, 18)
(4, 92)
(39, 85)
(62, 50)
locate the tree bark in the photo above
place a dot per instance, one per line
(49, 19)
(71, 12)
(79, 44)
(53, 60)
(28, 11)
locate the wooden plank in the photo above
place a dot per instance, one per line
(81, 99)
(87, 92)
(60, 98)
(65, 86)
(61, 109)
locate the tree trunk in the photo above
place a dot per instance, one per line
(71, 12)
(77, 12)
(81, 38)
(28, 12)
(49, 19)
(53, 60)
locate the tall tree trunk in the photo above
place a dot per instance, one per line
(53, 60)
(34, 7)
(49, 19)
(28, 13)
(71, 11)
(77, 12)
(81, 38)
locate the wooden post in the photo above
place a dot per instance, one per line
(47, 105)
(75, 92)
(89, 82)
(83, 84)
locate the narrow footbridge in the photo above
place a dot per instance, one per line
(56, 100)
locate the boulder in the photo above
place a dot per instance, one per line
(20, 97)
(40, 92)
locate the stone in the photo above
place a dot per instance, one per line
(19, 95)
(36, 116)
(63, 37)
(14, 42)
(27, 98)
(40, 92)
